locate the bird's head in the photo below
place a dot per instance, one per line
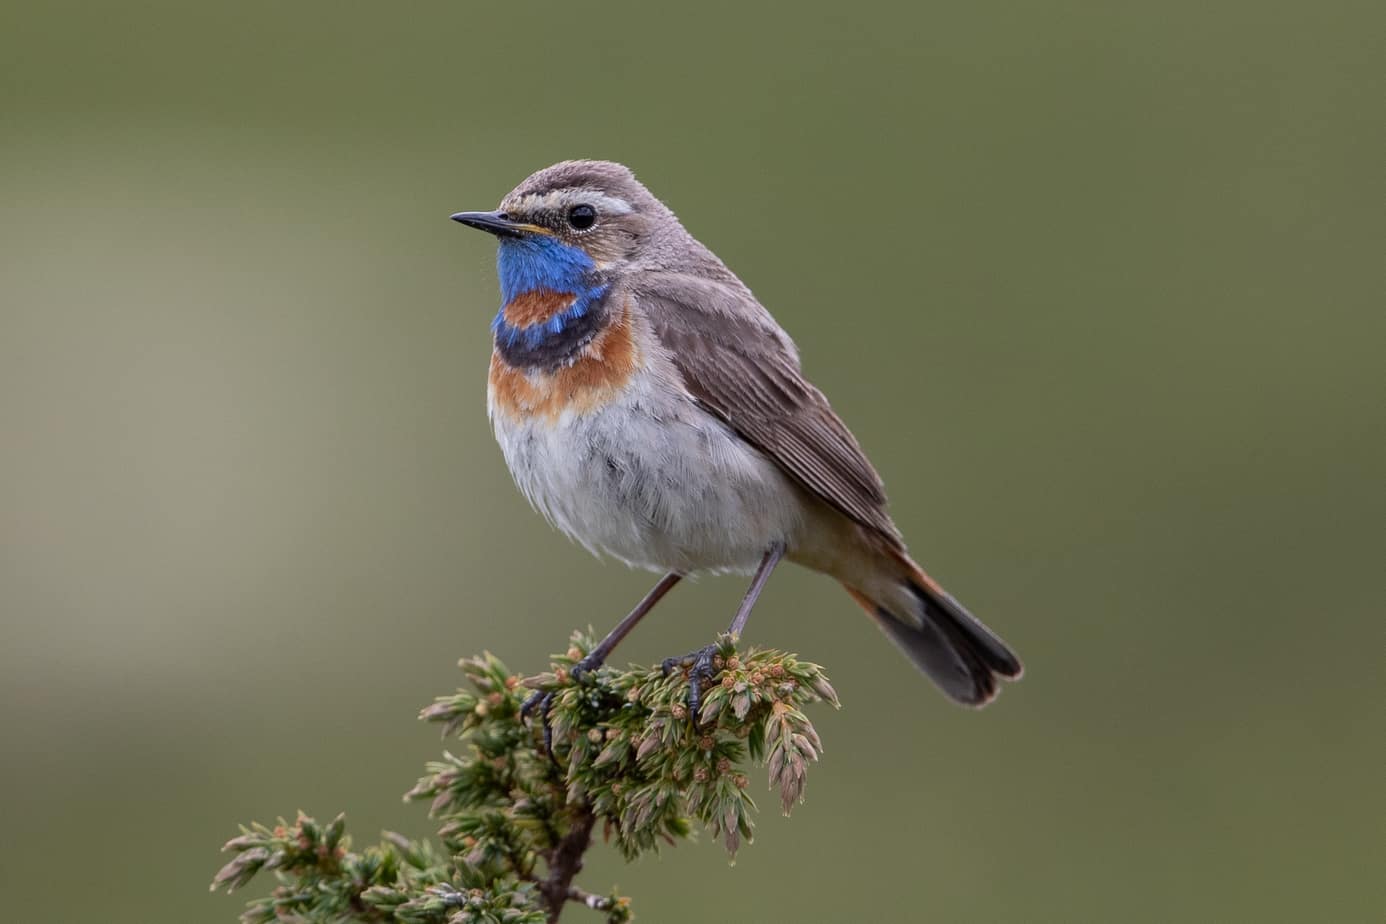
(566, 223)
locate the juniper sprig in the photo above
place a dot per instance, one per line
(515, 822)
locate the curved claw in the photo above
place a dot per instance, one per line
(531, 703)
(541, 702)
(701, 670)
(584, 667)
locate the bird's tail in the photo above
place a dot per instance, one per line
(960, 655)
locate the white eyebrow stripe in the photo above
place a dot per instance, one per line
(611, 205)
(562, 199)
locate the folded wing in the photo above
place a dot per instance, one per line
(741, 367)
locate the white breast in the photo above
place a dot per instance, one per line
(653, 480)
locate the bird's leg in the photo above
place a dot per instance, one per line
(540, 701)
(701, 667)
(598, 655)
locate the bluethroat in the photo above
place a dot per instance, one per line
(652, 409)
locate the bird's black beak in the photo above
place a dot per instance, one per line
(497, 223)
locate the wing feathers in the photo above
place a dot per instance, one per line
(739, 365)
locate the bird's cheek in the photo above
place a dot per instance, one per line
(607, 253)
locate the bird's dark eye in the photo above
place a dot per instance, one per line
(582, 217)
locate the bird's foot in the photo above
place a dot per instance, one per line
(586, 666)
(541, 701)
(702, 666)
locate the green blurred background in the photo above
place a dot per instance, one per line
(1098, 285)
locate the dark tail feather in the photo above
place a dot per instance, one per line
(967, 630)
(959, 654)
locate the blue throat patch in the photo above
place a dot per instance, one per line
(525, 264)
(541, 263)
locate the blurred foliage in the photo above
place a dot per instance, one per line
(626, 755)
(322, 880)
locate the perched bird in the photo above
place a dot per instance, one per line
(654, 411)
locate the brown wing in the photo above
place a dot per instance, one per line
(741, 367)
